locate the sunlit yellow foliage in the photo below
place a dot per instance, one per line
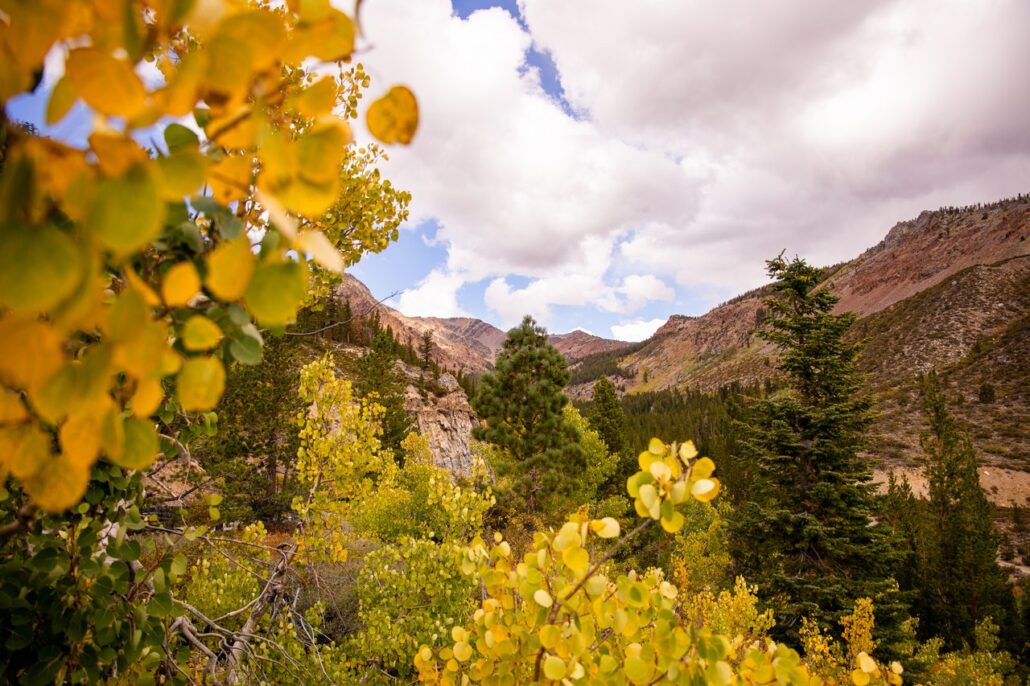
(97, 244)
(558, 616)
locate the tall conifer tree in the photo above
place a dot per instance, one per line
(962, 582)
(521, 405)
(378, 380)
(807, 537)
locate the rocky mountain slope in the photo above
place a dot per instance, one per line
(948, 290)
(462, 344)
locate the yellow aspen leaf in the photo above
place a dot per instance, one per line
(703, 469)
(554, 667)
(179, 97)
(673, 522)
(275, 292)
(13, 79)
(309, 199)
(543, 598)
(58, 485)
(866, 663)
(549, 636)
(577, 559)
(107, 84)
(687, 451)
(30, 352)
(112, 433)
(171, 362)
(317, 100)
(181, 283)
(61, 100)
(147, 398)
(320, 150)
(605, 528)
(128, 316)
(705, 490)
(116, 153)
(315, 244)
(462, 651)
(12, 409)
(75, 383)
(142, 287)
(39, 267)
(26, 447)
(127, 212)
(657, 448)
(200, 333)
(180, 174)
(229, 269)
(57, 166)
(393, 118)
(261, 32)
(636, 670)
(80, 436)
(200, 383)
(228, 70)
(330, 37)
(860, 678)
(34, 26)
(236, 129)
(141, 444)
(143, 356)
(277, 214)
(230, 178)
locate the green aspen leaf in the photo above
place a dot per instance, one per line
(276, 292)
(141, 445)
(554, 667)
(39, 267)
(246, 350)
(180, 174)
(178, 136)
(200, 384)
(61, 100)
(127, 212)
(200, 333)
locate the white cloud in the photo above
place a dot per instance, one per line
(710, 137)
(635, 329)
(434, 296)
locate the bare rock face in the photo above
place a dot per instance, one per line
(444, 418)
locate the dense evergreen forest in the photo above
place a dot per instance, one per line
(210, 472)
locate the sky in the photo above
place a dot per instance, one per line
(603, 164)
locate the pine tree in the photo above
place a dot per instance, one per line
(521, 405)
(963, 582)
(378, 380)
(607, 417)
(807, 537)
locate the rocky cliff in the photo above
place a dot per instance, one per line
(444, 417)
